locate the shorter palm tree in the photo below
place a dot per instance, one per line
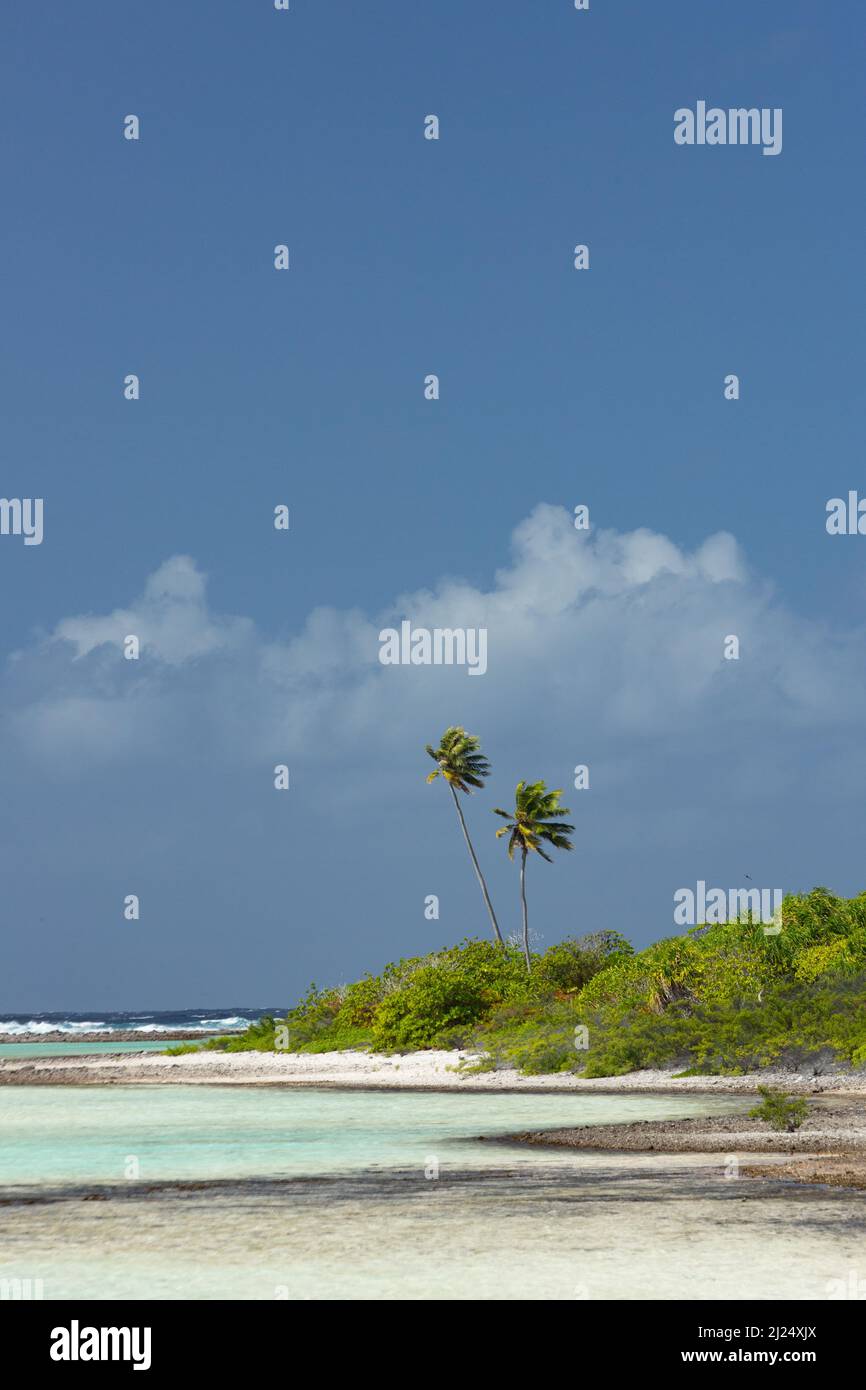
(535, 819)
(462, 764)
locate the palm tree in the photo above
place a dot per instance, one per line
(535, 818)
(460, 761)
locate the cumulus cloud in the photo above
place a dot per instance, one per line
(171, 620)
(619, 634)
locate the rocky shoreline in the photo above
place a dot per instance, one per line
(842, 1124)
(830, 1145)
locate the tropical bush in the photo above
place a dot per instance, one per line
(719, 999)
(436, 1000)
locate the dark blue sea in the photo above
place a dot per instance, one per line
(97, 1021)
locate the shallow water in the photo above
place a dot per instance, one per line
(78, 1134)
(306, 1194)
(75, 1049)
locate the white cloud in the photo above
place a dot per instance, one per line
(614, 635)
(171, 620)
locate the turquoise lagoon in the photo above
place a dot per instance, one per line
(204, 1192)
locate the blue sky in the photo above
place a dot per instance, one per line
(557, 387)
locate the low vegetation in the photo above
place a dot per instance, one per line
(720, 999)
(780, 1111)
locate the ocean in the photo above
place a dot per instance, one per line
(98, 1021)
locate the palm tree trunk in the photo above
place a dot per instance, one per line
(477, 868)
(525, 917)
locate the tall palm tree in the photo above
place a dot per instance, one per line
(535, 818)
(463, 766)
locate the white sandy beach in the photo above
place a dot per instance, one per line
(409, 1071)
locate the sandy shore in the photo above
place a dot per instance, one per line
(409, 1071)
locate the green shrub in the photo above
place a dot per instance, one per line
(779, 1110)
(438, 1002)
(571, 964)
(719, 999)
(433, 1007)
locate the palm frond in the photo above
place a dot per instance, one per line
(460, 759)
(536, 817)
